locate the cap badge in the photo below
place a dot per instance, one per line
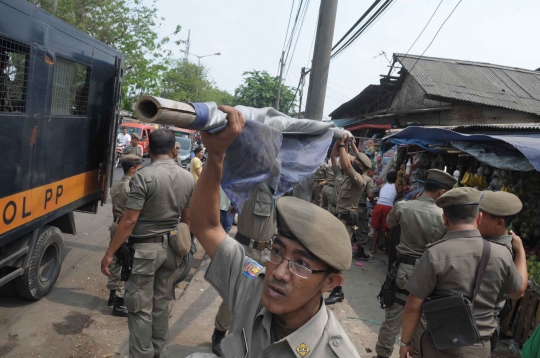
(302, 350)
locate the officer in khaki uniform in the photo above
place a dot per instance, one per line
(451, 264)
(255, 230)
(320, 178)
(133, 147)
(159, 196)
(277, 311)
(498, 211)
(328, 197)
(421, 223)
(350, 185)
(119, 195)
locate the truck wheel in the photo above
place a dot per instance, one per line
(44, 266)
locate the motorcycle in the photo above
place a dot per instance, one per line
(119, 149)
(186, 264)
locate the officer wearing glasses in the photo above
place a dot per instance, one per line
(278, 310)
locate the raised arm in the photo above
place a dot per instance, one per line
(205, 224)
(355, 148)
(343, 154)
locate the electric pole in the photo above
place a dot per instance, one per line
(321, 60)
(318, 79)
(281, 67)
(187, 45)
(301, 90)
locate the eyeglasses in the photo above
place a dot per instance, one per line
(273, 255)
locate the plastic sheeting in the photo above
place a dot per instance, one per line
(526, 144)
(496, 157)
(273, 148)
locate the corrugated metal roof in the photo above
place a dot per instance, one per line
(345, 122)
(367, 94)
(493, 85)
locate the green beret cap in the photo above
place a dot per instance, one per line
(459, 196)
(364, 159)
(319, 231)
(500, 203)
(131, 158)
(135, 135)
(441, 177)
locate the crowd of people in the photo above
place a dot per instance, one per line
(455, 252)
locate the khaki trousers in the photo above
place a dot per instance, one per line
(391, 326)
(479, 350)
(362, 234)
(113, 282)
(223, 316)
(149, 289)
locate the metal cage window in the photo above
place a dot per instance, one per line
(70, 88)
(14, 58)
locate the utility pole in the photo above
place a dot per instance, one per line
(318, 79)
(321, 60)
(281, 67)
(187, 45)
(301, 90)
(55, 6)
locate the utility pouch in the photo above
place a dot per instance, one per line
(352, 218)
(387, 295)
(124, 255)
(450, 317)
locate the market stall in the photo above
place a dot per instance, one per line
(508, 162)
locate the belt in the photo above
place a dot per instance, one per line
(148, 240)
(257, 245)
(406, 259)
(117, 219)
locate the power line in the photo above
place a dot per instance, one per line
(356, 23)
(425, 27)
(299, 32)
(293, 31)
(287, 32)
(363, 28)
(434, 37)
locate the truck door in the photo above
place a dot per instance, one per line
(107, 168)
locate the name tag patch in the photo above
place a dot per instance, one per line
(251, 269)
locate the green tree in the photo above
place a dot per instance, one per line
(129, 26)
(186, 81)
(259, 89)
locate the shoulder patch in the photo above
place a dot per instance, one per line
(252, 269)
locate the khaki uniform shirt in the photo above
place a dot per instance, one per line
(451, 265)
(129, 149)
(421, 224)
(239, 280)
(330, 175)
(349, 188)
(367, 191)
(505, 240)
(119, 196)
(160, 191)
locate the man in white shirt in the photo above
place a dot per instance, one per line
(124, 137)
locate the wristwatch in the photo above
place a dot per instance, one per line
(341, 146)
(401, 344)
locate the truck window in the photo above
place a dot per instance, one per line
(70, 88)
(14, 58)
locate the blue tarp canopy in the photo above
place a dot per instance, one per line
(526, 144)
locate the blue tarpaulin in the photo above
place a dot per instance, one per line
(526, 144)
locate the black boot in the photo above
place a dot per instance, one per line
(362, 255)
(119, 309)
(112, 297)
(336, 296)
(217, 337)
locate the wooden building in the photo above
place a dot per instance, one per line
(427, 91)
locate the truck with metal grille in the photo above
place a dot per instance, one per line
(59, 110)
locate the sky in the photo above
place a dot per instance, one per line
(250, 34)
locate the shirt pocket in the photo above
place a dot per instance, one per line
(144, 262)
(263, 204)
(233, 346)
(345, 191)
